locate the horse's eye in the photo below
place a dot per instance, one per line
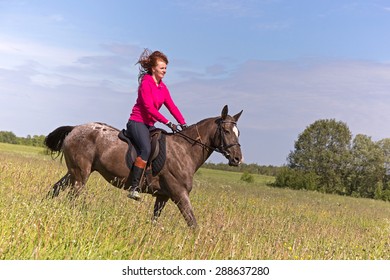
(227, 131)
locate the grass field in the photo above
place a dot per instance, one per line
(237, 220)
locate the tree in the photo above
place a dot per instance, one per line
(323, 149)
(366, 170)
(8, 137)
(384, 145)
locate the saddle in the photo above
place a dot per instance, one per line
(158, 153)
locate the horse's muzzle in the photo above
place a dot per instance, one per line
(234, 161)
(234, 156)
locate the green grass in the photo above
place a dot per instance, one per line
(20, 149)
(237, 220)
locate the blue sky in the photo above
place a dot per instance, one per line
(285, 63)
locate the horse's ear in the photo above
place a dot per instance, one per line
(224, 112)
(237, 116)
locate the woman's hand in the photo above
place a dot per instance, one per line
(172, 126)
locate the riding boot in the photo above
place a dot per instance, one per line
(135, 178)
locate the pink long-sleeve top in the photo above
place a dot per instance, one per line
(150, 99)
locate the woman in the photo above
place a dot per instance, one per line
(152, 94)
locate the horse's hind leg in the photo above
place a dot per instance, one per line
(61, 185)
(79, 177)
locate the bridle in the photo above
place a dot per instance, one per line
(223, 147)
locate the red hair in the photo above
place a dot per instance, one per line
(148, 60)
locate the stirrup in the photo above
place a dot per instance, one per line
(134, 194)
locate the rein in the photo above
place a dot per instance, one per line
(222, 149)
(197, 141)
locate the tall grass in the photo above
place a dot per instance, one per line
(237, 220)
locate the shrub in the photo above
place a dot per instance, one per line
(246, 177)
(383, 194)
(296, 179)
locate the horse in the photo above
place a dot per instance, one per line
(96, 147)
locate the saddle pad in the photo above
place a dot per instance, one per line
(157, 163)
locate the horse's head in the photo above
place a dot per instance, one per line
(226, 138)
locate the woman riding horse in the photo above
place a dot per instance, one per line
(152, 94)
(97, 147)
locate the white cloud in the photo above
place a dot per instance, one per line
(352, 91)
(232, 8)
(14, 52)
(46, 80)
(56, 18)
(273, 26)
(55, 66)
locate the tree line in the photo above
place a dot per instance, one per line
(252, 168)
(326, 158)
(11, 138)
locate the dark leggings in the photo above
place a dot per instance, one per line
(139, 134)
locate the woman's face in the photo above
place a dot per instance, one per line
(159, 70)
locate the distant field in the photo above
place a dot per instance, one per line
(20, 149)
(237, 220)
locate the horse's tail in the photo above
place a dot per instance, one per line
(56, 138)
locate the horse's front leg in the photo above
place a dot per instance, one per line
(184, 204)
(159, 205)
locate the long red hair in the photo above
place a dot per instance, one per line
(148, 60)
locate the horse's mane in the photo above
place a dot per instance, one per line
(202, 121)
